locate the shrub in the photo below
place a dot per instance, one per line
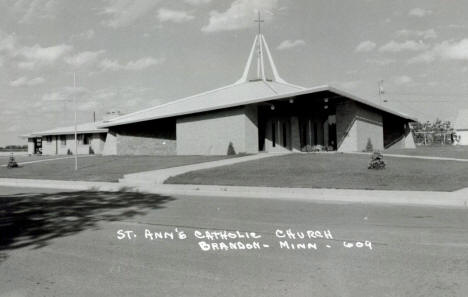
(231, 150)
(377, 161)
(313, 148)
(12, 162)
(369, 146)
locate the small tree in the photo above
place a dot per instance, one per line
(231, 150)
(369, 146)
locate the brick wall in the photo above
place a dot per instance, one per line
(49, 147)
(110, 143)
(58, 147)
(155, 137)
(30, 146)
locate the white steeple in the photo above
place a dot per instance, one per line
(260, 47)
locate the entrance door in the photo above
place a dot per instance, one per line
(308, 132)
(38, 145)
(280, 135)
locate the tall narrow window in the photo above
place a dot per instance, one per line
(86, 139)
(285, 143)
(273, 133)
(315, 134)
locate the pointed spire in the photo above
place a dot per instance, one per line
(261, 47)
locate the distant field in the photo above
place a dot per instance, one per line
(95, 168)
(25, 158)
(341, 171)
(16, 153)
(447, 151)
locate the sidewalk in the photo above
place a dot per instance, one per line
(458, 199)
(159, 176)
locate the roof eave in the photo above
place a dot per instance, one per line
(367, 102)
(115, 122)
(45, 133)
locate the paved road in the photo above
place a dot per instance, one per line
(65, 244)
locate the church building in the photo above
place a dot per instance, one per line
(260, 112)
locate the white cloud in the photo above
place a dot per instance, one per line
(24, 81)
(7, 42)
(197, 2)
(288, 44)
(457, 26)
(453, 50)
(123, 13)
(31, 11)
(409, 45)
(65, 94)
(365, 46)
(381, 62)
(175, 16)
(84, 58)
(446, 50)
(140, 64)
(402, 80)
(420, 12)
(26, 65)
(239, 15)
(28, 57)
(88, 34)
(44, 54)
(427, 34)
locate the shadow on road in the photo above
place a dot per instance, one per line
(35, 219)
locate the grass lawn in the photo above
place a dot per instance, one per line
(446, 151)
(342, 171)
(98, 168)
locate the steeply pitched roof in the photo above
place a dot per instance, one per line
(462, 120)
(81, 129)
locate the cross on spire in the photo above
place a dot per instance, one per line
(259, 21)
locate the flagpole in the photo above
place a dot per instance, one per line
(76, 134)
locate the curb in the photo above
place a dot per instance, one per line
(456, 199)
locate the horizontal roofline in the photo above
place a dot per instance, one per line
(70, 130)
(45, 133)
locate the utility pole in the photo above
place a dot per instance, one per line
(381, 91)
(76, 133)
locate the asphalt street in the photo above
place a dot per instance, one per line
(57, 243)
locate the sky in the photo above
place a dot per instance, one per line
(134, 54)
